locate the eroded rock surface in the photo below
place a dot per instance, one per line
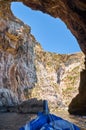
(78, 105)
(73, 13)
(17, 67)
(18, 63)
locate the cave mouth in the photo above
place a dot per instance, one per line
(51, 33)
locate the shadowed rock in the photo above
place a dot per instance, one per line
(17, 45)
(78, 104)
(31, 106)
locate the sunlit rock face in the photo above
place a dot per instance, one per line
(73, 13)
(58, 77)
(22, 68)
(17, 68)
(26, 71)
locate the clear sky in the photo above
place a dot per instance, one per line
(51, 33)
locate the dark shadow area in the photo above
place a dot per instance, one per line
(13, 121)
(17, 116)
(78, 104)
(31, 106)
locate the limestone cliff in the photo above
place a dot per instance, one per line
(58, 76)
(17, 67)
(27, 71)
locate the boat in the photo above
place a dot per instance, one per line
(47, 121)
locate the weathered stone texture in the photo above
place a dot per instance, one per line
(72, 12)
(17, 63)
(78, 106)
(57, 77)
(17, 68)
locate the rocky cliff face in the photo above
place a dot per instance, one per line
(73, 13)
(17, 67)
(22, 67)
(26, 71)
(58, 76)
(45, 76)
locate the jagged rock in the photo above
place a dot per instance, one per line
(3, 109)
(20, 59)
(57, 77)
(7, 97)
(72, 12)
(12, 108)
(31, 106)
(17, 67)
(78, 106)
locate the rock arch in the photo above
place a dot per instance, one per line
(73, 13)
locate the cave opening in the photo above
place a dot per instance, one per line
(75, 24)
(51, 33)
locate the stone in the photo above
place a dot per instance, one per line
(73, 13)
(3, 109)
(20, 59)
(78, 106)
(31, 106)
(7, 97)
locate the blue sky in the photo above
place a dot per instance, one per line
(51, 33)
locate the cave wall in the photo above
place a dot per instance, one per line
(17, 67)
(73, 13)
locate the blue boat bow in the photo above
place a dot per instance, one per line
(47, 121)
